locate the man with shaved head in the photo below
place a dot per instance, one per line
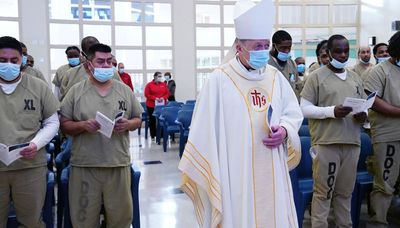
(364, 57)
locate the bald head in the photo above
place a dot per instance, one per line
(87, 42)
(364, 54)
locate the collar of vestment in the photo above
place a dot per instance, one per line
(252, 75)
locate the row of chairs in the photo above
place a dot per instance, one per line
(302, 179)
(175, 117)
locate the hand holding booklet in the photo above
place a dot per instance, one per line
(360, 105)
(9, 154)
(106, 124)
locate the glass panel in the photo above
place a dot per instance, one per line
(9, 8)
(295, 33)
(132, 59)
(317, 14)
(101, 32)
(57, 58)
(128, 11)
(229, 36)
(58, 33)
(207, 14)
(138, 85)
(98, 10)
(201, 79)
(128, 35)
(158, 36)
(159, 59)
(157, 12)
(208, 37)
(315, 35)
(63, 9)
(150, 77)
(228, 14)
(208, 58)
(345, 14)
(349, 32)
(289, 14)
(9, 28)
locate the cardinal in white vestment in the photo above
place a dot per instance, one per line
(243, 138)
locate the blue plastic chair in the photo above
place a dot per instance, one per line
(184, 120)
(304, 131)
(364, 180)
(47, 212)
(174, 103)
(170, 127)
(135, 175)
(189, 107)
(159, 125)
(145, 119)
(302, 180)
(191, 102)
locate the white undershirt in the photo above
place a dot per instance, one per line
(9, 88)
(314, 112)
(342, 76)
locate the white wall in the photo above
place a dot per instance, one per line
(376, 19)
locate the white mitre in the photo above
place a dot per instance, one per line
(252, 22)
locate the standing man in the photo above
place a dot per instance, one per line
(30, 61)
(25, 68)
(364, 57)
(243, 138)
(322, 56)
(301, 67)
(80, 73)
(73, 56)
(28, 114)
(100, 170)
(171, 86)
(125, 77)
(385, 119)
(335, 134)
(280, 58)
(381, 54)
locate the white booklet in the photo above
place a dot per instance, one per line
(360, 105)
(106, 124)
(8, 154)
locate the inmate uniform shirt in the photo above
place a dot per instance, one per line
(60, 73)
(360, 68)
(74, 76)
(290, 73)
(314, 67)
(385, 79)
(94, 149)
(21, 115)
(323, 88)
(34, 72)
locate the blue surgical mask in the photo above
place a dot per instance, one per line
(382, 59)
(103, 74)
(24, 60)
(121, 70)
(301, 68)
(337, 64)
(74, 61)
(282, 56)
(258, 59)
(9, 71)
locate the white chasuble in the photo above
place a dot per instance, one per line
(233, 179)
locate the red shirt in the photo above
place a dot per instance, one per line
(155, 90)
(126, 78)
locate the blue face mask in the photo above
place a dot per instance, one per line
(382, 59)
(258, 59)
(103, 74)
(121, 70)
(282, 56)
(9, 71)
(74, 61)
(24, 60)
(301, 68)
(337, 64)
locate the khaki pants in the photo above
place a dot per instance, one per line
(90, 187)
(386, 172)
(334, 174)
(27, 188)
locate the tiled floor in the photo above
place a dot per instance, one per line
(163, 205)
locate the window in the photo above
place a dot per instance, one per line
(9, 21)
(139, 33)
